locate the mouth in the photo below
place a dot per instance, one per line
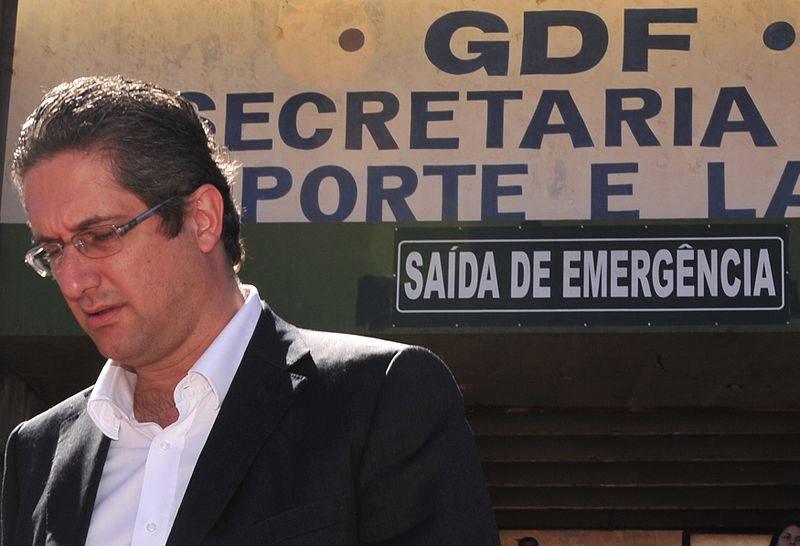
(101, 316)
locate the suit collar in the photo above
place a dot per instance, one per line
(268, 380)
(279, 343)
(76, 471)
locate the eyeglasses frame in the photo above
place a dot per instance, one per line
(77, 242)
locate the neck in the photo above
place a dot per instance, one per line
(153, 399)
(155, 405)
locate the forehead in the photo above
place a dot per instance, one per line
(72, 186)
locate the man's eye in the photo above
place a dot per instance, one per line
(96, 239)
(101, 236)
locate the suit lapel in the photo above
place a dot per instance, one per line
(76, 471)
(261, 391)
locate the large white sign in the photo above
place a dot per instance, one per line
(384, 110)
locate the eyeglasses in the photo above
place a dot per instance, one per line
(94, 242)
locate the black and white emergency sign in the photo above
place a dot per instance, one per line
(531, 275)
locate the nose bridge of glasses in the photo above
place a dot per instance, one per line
(79, 242)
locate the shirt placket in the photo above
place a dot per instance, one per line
(157, 502)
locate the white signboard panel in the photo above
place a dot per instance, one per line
(384, 110)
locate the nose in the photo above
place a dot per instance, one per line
(75, 273)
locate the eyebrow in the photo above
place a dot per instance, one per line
(84, 224)
(95, 220)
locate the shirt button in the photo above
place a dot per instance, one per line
(164, 446)
(151, 527)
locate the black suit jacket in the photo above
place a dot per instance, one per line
(323, 439)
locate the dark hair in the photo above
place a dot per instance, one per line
(156, 142)
(779, 532)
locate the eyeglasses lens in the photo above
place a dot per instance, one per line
(98, 242)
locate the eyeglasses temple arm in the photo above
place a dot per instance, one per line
(125, 228)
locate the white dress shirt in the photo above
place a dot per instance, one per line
(148, 468)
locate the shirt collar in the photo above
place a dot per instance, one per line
(218, 364)
(111, 399)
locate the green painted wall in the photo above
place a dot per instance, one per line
(336, 276)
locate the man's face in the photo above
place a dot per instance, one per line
(131, 304)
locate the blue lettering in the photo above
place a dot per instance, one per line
(252, 194)
(784, 196)
(236, 118)
(492, 56)
(751, 121)
(309, 194)
(683, 117)
(287, 121)
(450, 175)
(491, 191)
(716, 195)
(594, 42)
(377, 193)
(602, 190)
(375, 122)
(638, 41)
(573, 124)
(421, 116)
(203, 103)
(635, 118)
(495, 109)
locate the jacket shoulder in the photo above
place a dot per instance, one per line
(340, 346)
(49, 422)
(364, 365)
(341, 353)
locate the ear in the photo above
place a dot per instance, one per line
(206, 212)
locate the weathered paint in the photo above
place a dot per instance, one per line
(683, 160)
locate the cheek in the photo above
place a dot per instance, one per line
(166, 273)
(158, 260)
(156, 268)
(76, 310)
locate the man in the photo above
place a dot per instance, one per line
(213, 421)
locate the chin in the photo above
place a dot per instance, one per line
(109, 349)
